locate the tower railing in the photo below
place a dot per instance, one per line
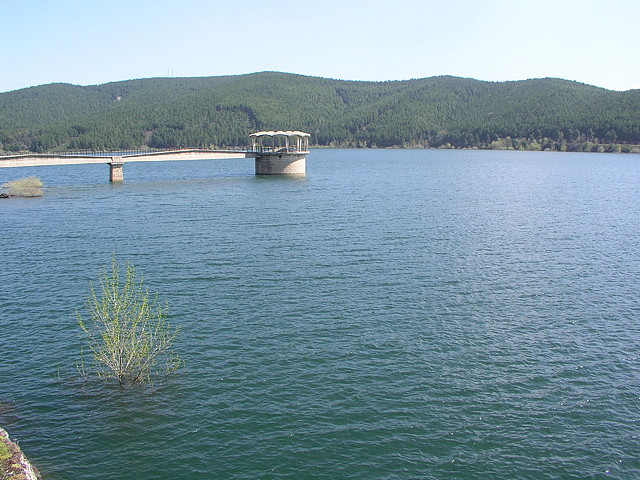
(270, 149)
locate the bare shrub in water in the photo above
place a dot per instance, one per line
(127, 333)
(24, 187)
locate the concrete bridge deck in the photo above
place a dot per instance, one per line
(36, 160)
(268, 160)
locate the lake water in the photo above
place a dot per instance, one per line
(396, 314)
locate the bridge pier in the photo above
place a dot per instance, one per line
(281, 164)
(115, 170)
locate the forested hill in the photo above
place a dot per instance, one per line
(220, 111)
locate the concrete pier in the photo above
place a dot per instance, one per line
(116, 173)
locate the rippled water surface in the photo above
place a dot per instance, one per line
(396, 314)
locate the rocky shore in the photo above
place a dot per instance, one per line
(13, 463)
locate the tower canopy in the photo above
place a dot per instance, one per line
(294, 141)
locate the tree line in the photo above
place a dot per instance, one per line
(436, 112)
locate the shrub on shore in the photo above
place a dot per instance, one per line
(24, 187)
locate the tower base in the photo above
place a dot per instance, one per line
(281, 164)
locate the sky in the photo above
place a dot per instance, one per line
(87, 42)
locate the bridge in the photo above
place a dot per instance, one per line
(283, 154)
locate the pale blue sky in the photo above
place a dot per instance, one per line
(88, 42)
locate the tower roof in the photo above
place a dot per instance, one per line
(280, 133)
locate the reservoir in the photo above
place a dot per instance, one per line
(394, 314)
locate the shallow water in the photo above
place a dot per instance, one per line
(394, 314)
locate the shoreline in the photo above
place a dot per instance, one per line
(13, 462)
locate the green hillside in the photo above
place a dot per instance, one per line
(220, 111)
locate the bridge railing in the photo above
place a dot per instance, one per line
(130, 152)
(142, 151)
(106, 153)
(151, 151)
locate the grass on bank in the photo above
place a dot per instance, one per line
(4, 452)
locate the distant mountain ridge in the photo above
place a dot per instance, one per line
(435, 112)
